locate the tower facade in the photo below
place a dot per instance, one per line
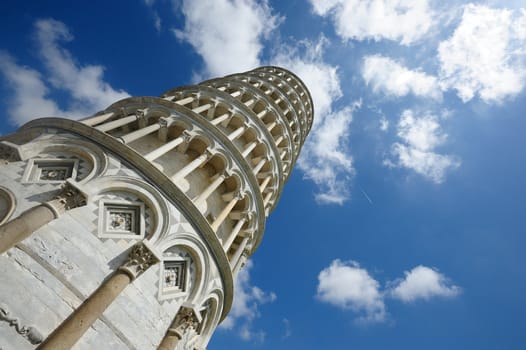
(126, 230)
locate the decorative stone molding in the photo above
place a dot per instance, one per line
(68, 198)
(186, 319)
(71, 197)
(30, 333)
(50, 170)
(163, 122)
(139, 260)
(121, 219)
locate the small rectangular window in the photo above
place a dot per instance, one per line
(50, 170)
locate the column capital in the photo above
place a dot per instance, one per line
(225, 174)
(141, 113)
(123, 111)
(140, 258)
(187, 136)
(68, 198)
(186, 319)
(164, 122)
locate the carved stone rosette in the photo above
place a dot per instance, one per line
(139, 260)
(185, 320)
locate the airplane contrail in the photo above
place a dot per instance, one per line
(366, 196)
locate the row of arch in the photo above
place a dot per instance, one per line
(223, 187)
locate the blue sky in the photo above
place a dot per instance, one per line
(402, 225)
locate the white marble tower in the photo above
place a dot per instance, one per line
(126, 230)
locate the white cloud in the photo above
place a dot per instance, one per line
(245, 308)
(85, 84)
(486, 54)
(227, 34)
(390, 77)
(401, 20)
(348, 286)
(30, 95)
(420, 136)
(384, 124)
(155, 15)
(288, 331)
(423, 283)
(325, 158)
(29, 98)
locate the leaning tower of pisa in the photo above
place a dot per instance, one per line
(126, 230)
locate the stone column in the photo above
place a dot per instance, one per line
(240, 251)
(220, 118)
(202, 108)
(98, 119)
(271, 126)
(185, 320)
(183, 101)
(249, 148)
(224, 213)
(232, 235)
(156, 153)
(71, 330)
(267, 198)
(236, 133)
(31, 220)
(265, 183)
(259, 165)
(262, 113)
(241, 262)
(194, 164)
(210, 188)
(137, 134)
(116, 123)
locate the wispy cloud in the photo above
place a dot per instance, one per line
(157, 22)
(245, 309)
(384, 123)
(288, 330)
(392, 78)
(29, 96)
(30, 92)
(84, 83)
(405, 21)
(420, 137)
(422, 283)
(227, 34)
(486, 54)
